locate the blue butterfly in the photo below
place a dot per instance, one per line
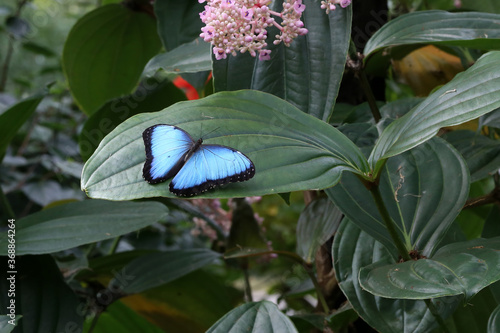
(196, 168)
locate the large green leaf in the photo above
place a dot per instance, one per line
(190, 304)
(187, 58)
(469, 95)
(150, 96)
(13, 118)
(494, 321)
(317, 223)
(353, 249)
(44, 300)
(291, 150)
(178, 21)
(491, 119)
(153, 270)
(475, 30)
(261, 316)
(7, 324)
(105, 53)
(68, 226)
(423, 190)
(120, 318)
(462, 268)
(481, 153)
(473, 318)
(306, 74)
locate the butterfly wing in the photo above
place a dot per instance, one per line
(210, 166)
(166, 148)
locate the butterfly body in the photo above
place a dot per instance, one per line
(195, 167)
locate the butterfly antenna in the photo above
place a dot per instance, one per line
(215, 129)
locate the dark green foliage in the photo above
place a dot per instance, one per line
(387, 215)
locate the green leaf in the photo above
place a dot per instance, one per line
(317, 223)
(287, 154)
(491, 226)
(120, 318)
(68, 226)
(353, 249)
(261, 316)
(457, 269)
(14, 117)
(38, 49)
(308, 321)
(423, 189)
(491, 119)
(473, 318)
(245, 231)
(319, 56)
(343, 317)
(44, 300)
(187, 58)
(364, 135)
(469, 95)
(472, 220)
(495, 290)
(494, 321)
(178, 21)
(150, 96)
(5, 326)
(347, 114)
(105, 53)
(398, 108)
(153, 270)
(481, 153)
(172, 305)
(474, 30)
(106, 265)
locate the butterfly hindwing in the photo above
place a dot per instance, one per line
(210, 166)
(166, 148)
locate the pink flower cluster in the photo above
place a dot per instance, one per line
(240, 25)
(330, 5)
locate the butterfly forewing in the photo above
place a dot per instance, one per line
(166, 147)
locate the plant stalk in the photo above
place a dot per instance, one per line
(319, 292)
(94, 322)
(389, 223)
(365, 85)
(114, 245)
(295, 257)
(248, 286)
(356, 64)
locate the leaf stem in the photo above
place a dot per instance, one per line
(248, 286)
(389, 223)
(365, 85)
(6, 205)
(492, 197)
(356, 64)
(94, 322)
(114, 245)
(308, 268)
